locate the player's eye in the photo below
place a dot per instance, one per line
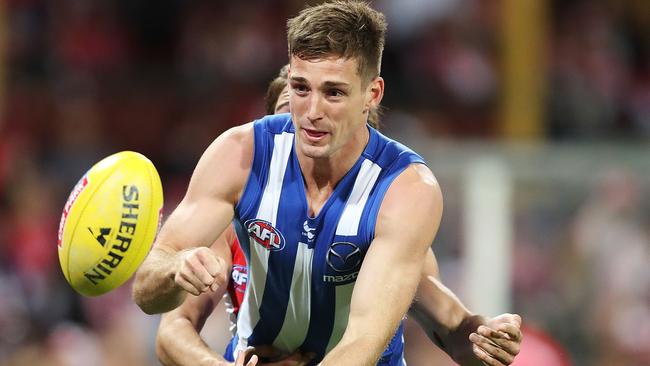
(335, 93)
(300, 89)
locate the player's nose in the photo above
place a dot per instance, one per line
(315, 108)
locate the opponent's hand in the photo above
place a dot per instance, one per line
(498, 341)
(276, 357)
(199, 270)
(243, 355)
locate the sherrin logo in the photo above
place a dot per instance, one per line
(265, 234)
(124, 236)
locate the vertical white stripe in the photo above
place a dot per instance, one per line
(403, 359)
(349, 226)
(270, 202)
(296, 319)
(349, 222)
(342, 311)
(249, 313)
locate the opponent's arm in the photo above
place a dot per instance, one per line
(186, 321)
(449, 324)
(406, 225)
(180, 261)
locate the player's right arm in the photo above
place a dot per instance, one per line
(180, 261)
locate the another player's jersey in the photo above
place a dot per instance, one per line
(303, 269)
(236, 283)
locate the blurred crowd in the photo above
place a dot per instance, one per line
(85, 78)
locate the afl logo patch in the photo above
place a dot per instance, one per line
(265, 234)
(343, 257)
(239, 277)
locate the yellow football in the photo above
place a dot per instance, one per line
(109, 222)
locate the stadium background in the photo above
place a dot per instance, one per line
(540, 109)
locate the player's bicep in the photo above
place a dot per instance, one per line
(208, 205)
(406, 225)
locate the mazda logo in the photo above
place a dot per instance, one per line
(343, 256)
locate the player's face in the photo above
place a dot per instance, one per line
(282, 105)
(329, 105)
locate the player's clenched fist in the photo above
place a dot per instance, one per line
(199, 270)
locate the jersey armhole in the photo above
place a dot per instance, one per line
(251, 190)
(384, 184)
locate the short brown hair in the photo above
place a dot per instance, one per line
(275, 89)
(347, 28)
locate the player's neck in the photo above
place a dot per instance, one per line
(321, 175)
(327, 171)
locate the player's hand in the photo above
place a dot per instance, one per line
(199, 270)
(243, 355)
(498, 341)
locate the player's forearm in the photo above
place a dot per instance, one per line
(154, 289)
(445, 320)
(192, 351)
(453, 340)
(458, 345)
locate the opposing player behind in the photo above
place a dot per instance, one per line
(319, 183)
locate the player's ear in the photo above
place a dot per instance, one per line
(374, 93)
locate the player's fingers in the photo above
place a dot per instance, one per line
(252, 361)
(492, 349)
(507, 331)
(503, 331)
(217, 269)
(512, 330)
(507, 318)
(239, 361)
(500, 339)
(186, 285)
(189, 276)
(485, 357)
(195, 266)
(211, 261)
(515, 319)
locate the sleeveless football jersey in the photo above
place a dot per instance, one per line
(302, 269)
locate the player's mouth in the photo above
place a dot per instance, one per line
(313, 135)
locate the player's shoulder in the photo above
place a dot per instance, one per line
(274, 124)
(238, 134)
(412, 205)
(235, 141)
(417, 176)
(415, 188)
(230, 152)
(389, 153)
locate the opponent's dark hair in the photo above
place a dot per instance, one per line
(275, 89)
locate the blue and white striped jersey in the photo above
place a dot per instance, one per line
(302, 269)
